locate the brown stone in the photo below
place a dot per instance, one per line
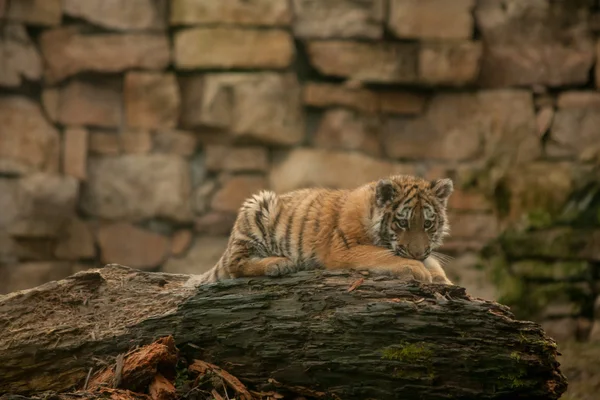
(136, 187)
(123, 243)
(235, 190)
(135, 141)
(180, 242)
(575, 133)
(125, 15)
(303, 167)
(104, 143)
(34, 248)
(561, 329)
(32, 274)
(378, 62)
(46, 202)
(76, 241)
(579, 99)
(202, 256)
(456, 125)
(175, 142)
(339, 19)
(19, 58)
(95, 103)
(75, 149)
(234, 12)
(431, 19)
(35, 12)
(260, 106)
(330, 95)
(27, 141)
(473, 226)
(461, 246)
(468, 200)
(215, 223)
(463, 271)
(151, 100)
(227, 48)
(232, 159)
(9, 202)
(534, 43)
(543, 120)
(346, 130)
(538, 186)
(449, 63)
(67, 51)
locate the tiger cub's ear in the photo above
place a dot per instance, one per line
(442, 189)
(384, 192)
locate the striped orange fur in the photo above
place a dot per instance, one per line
(388, 227)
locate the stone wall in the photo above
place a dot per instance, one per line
(131, 130)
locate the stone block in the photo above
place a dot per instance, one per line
(28, 142)
(32, 274)
(324, 95)
(479, 226)
(19, 58)
(236, 159)
(69, 51)
(123, 15)
(234, 190)
(579, 99)
(557, 243)
(232, 48)
(137, 187)
(574, 133)
(303, 167)
(135, 141)
(177, 142)
(232, 12)
(125, 244)
(499, 125)
(535, 42)
(76, 241)
(345, 130)
(468, 201)
(202, 256)
(104, 143)
(316, 19)
(35, 12)
(181, 241)
(450, 63)
(151, 100)
(431, 19)
(215, 223)
(75, 151)
(264, 107)
(377, 62)
(46, 202)
(86, 103)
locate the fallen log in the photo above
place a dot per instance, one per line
(335, 332)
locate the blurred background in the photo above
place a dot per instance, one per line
(132, 130)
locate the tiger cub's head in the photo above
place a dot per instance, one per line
(410, 216)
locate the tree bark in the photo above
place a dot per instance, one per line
(330, 331)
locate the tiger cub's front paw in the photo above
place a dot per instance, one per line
(280, 268)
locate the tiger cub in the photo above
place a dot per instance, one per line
(387, 227)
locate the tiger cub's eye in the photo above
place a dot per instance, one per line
(402, 223)
(427, 224)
